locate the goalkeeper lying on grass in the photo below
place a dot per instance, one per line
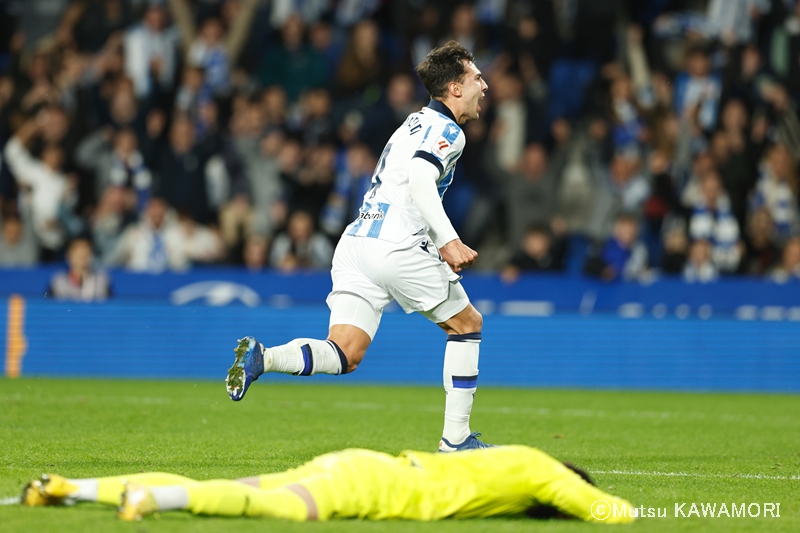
(501, 481)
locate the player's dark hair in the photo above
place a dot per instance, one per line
(443, 65)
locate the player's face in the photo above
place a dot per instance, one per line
(472, 91)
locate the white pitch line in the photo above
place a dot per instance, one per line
(689, 474)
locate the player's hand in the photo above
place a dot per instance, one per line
(458, 255)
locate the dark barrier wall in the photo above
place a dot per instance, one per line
(136, 339)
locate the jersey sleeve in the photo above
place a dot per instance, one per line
(440, 143)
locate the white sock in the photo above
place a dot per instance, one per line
(305, 357)
(460, 384)
(170, 497)
(87, 489)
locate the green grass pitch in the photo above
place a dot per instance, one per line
(655, 449)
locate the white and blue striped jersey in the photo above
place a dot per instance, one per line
(388, 213)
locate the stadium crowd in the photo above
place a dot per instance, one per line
(618, 138)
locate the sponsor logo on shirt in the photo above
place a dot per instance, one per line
(371, 215)
(440, 147)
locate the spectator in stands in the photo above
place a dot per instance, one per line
(629, 126)
(193, 92)
(274, 105)
(209, 54)
(81, 282)
(255, 253)
(362, 65)
(293, 64)
(537, 253)
(622, 257)
(153, 245)
(301, 247)
(734, 156)
(124, 110)
(151, 52)
(531, 191)
(510, 128)
(761, 251)
(312, 122)
(785, 41)
(385, 116)
(39, 19)
(733, 21)
(46, 181)
(776, 190)
(699, 267)
(619, 187)
(313, 181)
(789, 267)
(698, 88)
(692, 192)
(180, 171)
(264, 126)
(115, 211)
(17, 243)
(676, 246)
(256, 203)
(116, 162)
(200, 243)
(713, 220)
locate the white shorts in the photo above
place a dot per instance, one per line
(378, 272)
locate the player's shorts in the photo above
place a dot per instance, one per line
(375, 272)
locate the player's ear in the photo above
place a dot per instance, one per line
(454, 88)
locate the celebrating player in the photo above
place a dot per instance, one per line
(401, 247)
(502, 481)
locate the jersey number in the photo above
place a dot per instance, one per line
(376, 178)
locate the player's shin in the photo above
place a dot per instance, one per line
(305, 357)
(460, 384)
(229, 498)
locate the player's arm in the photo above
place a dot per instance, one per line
(422, 176)
(574, 496)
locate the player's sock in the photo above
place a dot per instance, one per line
(87, 489)
(110, 489)
(460, 384)
(305, 357)
(170, 498)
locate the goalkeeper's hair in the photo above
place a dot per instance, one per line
(581, 472)
(443, 65)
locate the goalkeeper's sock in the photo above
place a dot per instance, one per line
(170, 498)
(110, 489)
(86, 489)
(305, 357)
(460, 383)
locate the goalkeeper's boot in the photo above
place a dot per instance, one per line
(470, 443)
(248, 365)
(137, 502)
(50, 489)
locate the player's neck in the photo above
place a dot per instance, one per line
(443, 108)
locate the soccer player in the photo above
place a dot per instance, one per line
(401, 247)
(501, 481)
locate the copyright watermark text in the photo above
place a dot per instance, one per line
(603, 510)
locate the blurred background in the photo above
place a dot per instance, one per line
(633, 157)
